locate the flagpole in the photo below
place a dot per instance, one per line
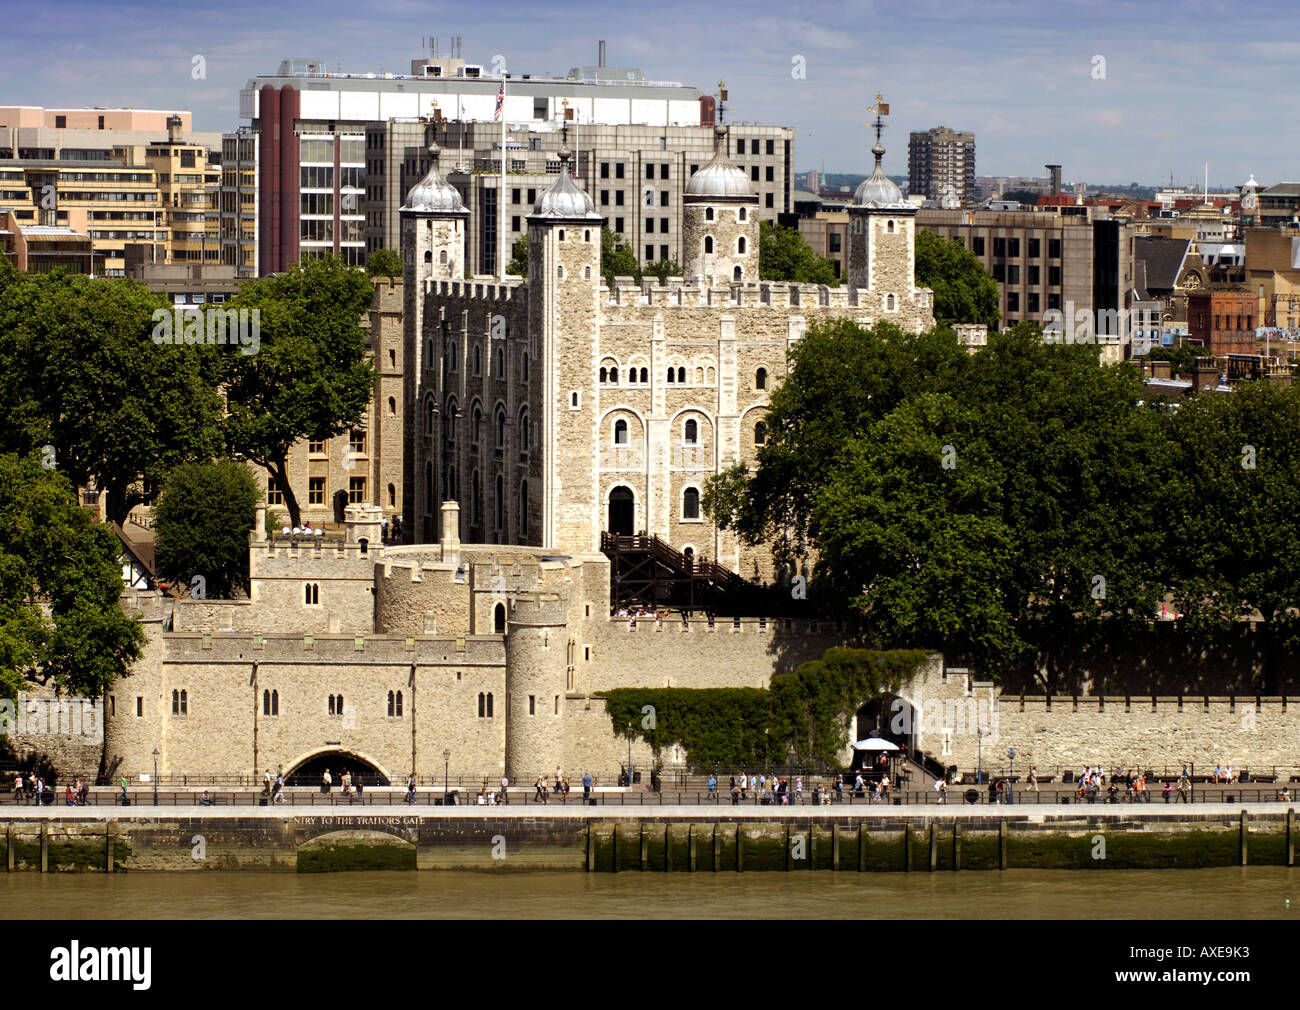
(501, 196)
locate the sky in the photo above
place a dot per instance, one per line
(1116, 92)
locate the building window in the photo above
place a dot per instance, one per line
(356, 490)
(1013, 247)
(1054, 248)
(357, 443)
(708, 213)
(1035, 248)
(392, 406)
(760, 433)
(311, 594)
(760, 379)
(501, 429)
(180, 703)
(604, 174)
(316, 446)
(768, 202)
(692, 432)
(274, 494)
(620, 432)
(315, 490)
(270, 702)
(395, 705)
(139, 706)
(618, 225)
(691, 503)
(740, 245)
(1013, 301)
(336, 704)
(977, 245)
(523, 368)
(649, 226)
(708, 243)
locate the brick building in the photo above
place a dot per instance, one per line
(1223, 320)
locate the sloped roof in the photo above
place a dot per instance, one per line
(1163, 260)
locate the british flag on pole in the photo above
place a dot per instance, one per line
(501, 99)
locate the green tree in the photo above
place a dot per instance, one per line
(60, 579)
(201, 523)
(785, 255)
(964, 292)
(384, 263)
(662, 269)
(518, 265)
(80, 372)
(1183, 358)
(311, 377)
(616, 258)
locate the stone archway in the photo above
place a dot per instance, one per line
(890, 717)
(622, 511)
(307, 770)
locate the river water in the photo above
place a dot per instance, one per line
(1235, 893)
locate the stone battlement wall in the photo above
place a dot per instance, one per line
(480, 289)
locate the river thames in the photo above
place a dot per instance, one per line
(1234, 893)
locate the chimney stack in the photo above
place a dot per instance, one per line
(451, 532)
(1055, 172)
(601, 63)
(174, 129)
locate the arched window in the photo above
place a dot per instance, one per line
(738, 274)
(760, 433)
(613, 375)
(391, 705)
(586, 235)
(499, 619)
(586, 273)
(741, 215)
(740, 245)
(760, 379)
(672, 375)
(604, 375)
(681, 375)
(392, 496)
(699, 376)
(478, 360)
(523, 368)
(890, 227)
(392, 407)
(708, 243)
(708, 213)
(559, 273)
(691, 503)
(399, 704)
(270, 702)
(620, 432)
(692, 432)
(442, 257)
(889, 302)
(482, 707)
(489, 705)
(561, 234)
(476, 426)
(428, 256)
(523, 509)
(365, 545)
(689, 554)
(644, 375)
(429, 418)
(525, 436)
(501, 429)
(311, 594)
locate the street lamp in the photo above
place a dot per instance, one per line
(979, 755)
(789, 783)
(1011, 782)
(629, 755)
(446, 774)
(155, 776)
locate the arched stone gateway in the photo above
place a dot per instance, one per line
(356, 849)
(622, 511)
(889, 717)
(307, 770)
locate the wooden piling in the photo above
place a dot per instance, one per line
(789, 854)
(108, 846)
(740, 849)
(934, 847)
(1245, 830)
(862, 847)
(668, 848)
(645, 848)
(835, 845)
(956, 845)
(907, 847)
(591, 850)
(1002, 845)
(717, 851)
(9, 848)
(45, 846)
(614, 837)
(690, 845)
(1290, 836)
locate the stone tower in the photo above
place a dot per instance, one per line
(882, 235)
(720, 221)
(536, 671)
(433, 249)
(564, 316)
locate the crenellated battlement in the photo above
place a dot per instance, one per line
(323, 649)
(480, 289)
(694, 294)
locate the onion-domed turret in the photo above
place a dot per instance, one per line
(565, 198)
(878, 191)
(720, 177)
(433, 193)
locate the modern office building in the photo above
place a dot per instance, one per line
(940, 162)
(311, 130)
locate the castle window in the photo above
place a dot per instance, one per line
(760, 379)
(392, 407)
(699, 376)
(489, 705)
(740, 245)
(428, 488)
(180, 703)
(270, 702)
(139, 706)
(356, 490)
(501, 429)
(336, 704)
(737, 275)
(451, 355)
(575, 401)
(532, 704)
(391, 700)
(476, 431)
(586, 235)
(691, 503)
(482, 704)
(559, 273)
(741, 214)
(692, 432)
(428, 419)
(708, 213)
(523, 509)
(561, 234)
(681, 375)
(357, 443)
(620, 432)
(644, 374)
(315, 490)
(478, 360)
(499, 619)
(525, 440)
(672, 375)
(760, 433)
(499, 364)
(889, 227)
(442, 257)
(365, 545)
(274, 493)
(311, 594)
(613, 375)
(586, 273)
(708, 243)
(604, 375)
(428, 256)
(392, 496)
(523, 368)
(889, 303)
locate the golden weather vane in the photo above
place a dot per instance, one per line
(879, 110)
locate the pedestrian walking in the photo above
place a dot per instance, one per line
(586, 786)
(326, 782)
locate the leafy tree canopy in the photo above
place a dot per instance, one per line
(785, 255)
(201, 523)
(964, 292)
(60, 579)
(384, 263)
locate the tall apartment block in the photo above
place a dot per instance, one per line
(334, 154)
(940, 159)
